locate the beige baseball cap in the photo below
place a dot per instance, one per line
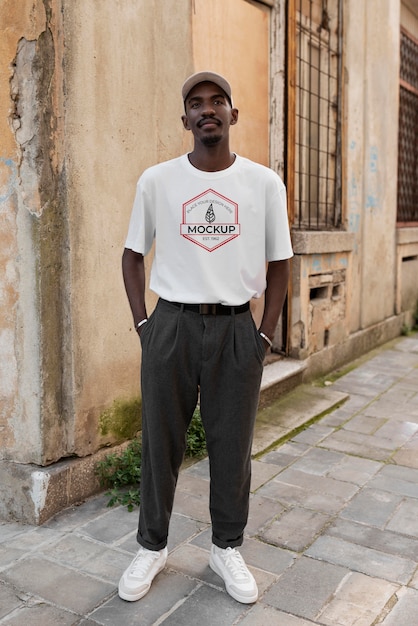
(202, 77)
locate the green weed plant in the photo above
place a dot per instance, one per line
(120, 473)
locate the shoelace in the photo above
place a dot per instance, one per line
(235, 563)
(143, 562)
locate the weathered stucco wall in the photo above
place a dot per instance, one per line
(32, 228)
(371, 99)
(123, 109)
(105, 92)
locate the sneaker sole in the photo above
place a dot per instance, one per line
(232, 593)
(137, 596)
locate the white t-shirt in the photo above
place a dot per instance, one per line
(214, 231)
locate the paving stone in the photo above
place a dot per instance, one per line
(365, 382)
(291, 495)
(355, 470)
(42, 615)
(109, 565)
(193, 562)
(34, 539)
(268, 616)
(382, 540)
(401, 393)
(286, 454)
(358, 601)
(199, 469)
(318, 461)
(267, 557)
(73, 550)
(199, 608)
(295, 529)
(405, 612)
(168, 589)
(372, 506)
(278, 458)
(78, 515)
(203, 540)
(129, 543)
(317, 484)
(8, 555)
(398, 432)
(337, 418)
(60, 585)
(354, 404)
(397, 479)
(196, 508)
(9, 600)
(110, 526)
(414, 581)
(262, 511)
(189, 483)
(362, 559)
(363, 424)
(8, 530)
(408, 454)
(313, 435)
(394, 411)
(357, 444)
(182, 529)
(405, 519)
(304, 588)
(261, 473)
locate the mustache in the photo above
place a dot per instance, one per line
(208, 118)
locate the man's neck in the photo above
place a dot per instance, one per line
(211, 159)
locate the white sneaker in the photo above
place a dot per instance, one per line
(239, 582)
(137, 578)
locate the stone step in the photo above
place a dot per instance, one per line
(279, 377)
(293, 411)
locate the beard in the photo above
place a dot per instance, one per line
(211, 140)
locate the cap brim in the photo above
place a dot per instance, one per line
(203, 77)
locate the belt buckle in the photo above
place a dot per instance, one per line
(207, 309)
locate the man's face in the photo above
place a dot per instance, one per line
(208, 113)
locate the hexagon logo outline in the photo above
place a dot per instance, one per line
(210, 220)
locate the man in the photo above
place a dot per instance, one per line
(216, 218)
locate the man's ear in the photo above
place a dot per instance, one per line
(185, 122)
(234, 116)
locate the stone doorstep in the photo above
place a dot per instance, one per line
(33, 494)
(279, 377)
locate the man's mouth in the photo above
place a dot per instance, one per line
(208, 122)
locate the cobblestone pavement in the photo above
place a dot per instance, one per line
(332, 537)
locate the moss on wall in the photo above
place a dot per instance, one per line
(122, 419)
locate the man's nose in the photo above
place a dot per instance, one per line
(208, 108)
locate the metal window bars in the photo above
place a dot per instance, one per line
(317, 132)
(407, 210)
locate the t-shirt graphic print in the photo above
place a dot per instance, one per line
(210, 220)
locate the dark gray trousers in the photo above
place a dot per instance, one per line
(221, 356)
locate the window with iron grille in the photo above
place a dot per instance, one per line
(317, 159)
(408, 132)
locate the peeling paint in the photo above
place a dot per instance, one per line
(31, 119)
(39, 491)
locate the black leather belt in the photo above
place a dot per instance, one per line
(213, 309)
